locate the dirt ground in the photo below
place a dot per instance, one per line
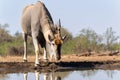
(67, 62)
(65, 58)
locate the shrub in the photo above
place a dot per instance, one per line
(16, 51)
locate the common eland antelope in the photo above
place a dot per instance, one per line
(37, 22)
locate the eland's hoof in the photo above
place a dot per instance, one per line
(46, 60)
(25, 60)
(37, 65)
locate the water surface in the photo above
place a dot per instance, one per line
(65, 75)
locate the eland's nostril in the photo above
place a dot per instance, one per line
(58, 58)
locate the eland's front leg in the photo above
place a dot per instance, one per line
(37, 51)
(25, 47)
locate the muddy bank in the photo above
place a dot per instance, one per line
(11, 64)
(13, 67)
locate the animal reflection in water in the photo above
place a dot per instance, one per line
(46, 76)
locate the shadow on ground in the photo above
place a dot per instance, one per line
(13, 67)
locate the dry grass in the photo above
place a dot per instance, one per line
(67, 58)
(15, 58)
(90, 58)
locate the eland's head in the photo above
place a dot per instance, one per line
(56, 43)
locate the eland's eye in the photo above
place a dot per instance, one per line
(53, 44)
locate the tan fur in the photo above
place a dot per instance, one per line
(27, 7)
(58, 40)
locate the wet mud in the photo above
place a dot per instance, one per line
(13, 67)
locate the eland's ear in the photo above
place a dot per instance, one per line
(63, 38)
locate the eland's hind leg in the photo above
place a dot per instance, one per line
(25, 47)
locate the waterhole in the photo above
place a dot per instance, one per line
(64, 75)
